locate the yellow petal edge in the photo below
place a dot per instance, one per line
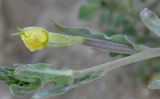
(34, 38)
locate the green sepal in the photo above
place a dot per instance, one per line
(60, 40)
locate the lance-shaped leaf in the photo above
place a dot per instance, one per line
(80, 31)
(151, 21)
(118, 43)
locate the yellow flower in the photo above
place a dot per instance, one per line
(34, 38)
(37, 38)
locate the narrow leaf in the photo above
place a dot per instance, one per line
(117, 43)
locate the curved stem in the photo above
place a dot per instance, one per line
(147, 54)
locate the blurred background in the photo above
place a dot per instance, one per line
(107, 16)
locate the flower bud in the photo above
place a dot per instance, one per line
(37, 38)
(34, 38)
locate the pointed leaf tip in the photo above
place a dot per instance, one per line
(145, 13)
(150, 20)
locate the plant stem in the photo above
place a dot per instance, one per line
(109, 46)
(147, 54)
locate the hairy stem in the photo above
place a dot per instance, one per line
(147, 54)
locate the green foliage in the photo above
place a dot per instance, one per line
(122, 18)
(94, 2)
(24, 79)
(87, 12)
(84, 32)
(82, 80)
(105, 16)
(152, 22)
(88, 33)
(120, 40)
(118, 19)
(113, 13)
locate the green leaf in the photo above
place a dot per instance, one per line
(44, 72)
(79, 31)
(7, 75)
(137, 47)
(3, 74)
(112, 54)
(87, 12)
(117, 40)
(35, 76)
(88, 33)
(94, 2)
(129, 30)
(151, 21)
(124, 39)
(105, 16)
(29, 86)
(114, 6)
(128, 5)
(111, 32)
(154, 84)
(42, 94)
(86, 78)
(121, 39)
(120, 20)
